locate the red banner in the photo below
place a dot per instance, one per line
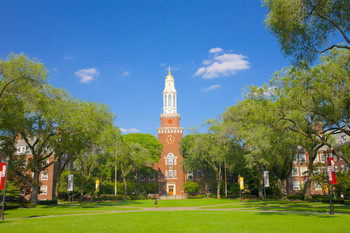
(2, 175)
(331, 171)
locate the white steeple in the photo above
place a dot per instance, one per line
(169, 95)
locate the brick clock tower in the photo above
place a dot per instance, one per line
(170, 173)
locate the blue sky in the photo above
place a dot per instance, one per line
(117, 52)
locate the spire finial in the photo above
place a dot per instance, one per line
(169, 70)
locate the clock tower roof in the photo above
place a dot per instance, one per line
(169, 77)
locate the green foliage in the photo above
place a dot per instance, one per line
(191, 187)
(343, 184)
(305, 28)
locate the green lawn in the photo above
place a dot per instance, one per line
(173, 203)
(94, 218)
(183, 221)
(284, 206)
(46, 210)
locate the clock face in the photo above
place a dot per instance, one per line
(170, 139)
(170, 121)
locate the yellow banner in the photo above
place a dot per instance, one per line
(241, 183)
(97, 185)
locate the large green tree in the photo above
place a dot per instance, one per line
(136, 151)
(306, 28)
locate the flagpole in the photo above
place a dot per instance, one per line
(3, 198)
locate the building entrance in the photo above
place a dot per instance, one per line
(171, 190)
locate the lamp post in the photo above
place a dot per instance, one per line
(328, 183)
(116, 172)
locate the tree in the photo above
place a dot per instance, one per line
(132, 155)
(269, 146)
(40, 121)
(316, 101)
(18, 75)
(210, 151)
(94, 140)
(305, 28)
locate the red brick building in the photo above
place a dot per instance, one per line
(171, 176)
(299, 173)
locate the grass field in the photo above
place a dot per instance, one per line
(233, 217)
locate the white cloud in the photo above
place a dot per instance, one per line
(163, 64)
(131, 130)
(211, 88)
(215, 50)
(222, 65)
(87, 75)
(126, 73)
(68, 58)
(55, 69)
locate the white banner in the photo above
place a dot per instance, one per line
(70, 182)
(266, 179)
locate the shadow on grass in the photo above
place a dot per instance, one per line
(321, 215)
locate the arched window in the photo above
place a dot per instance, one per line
(174, 105)
(170, 158)
(165, 100)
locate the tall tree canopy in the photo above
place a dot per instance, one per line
(305, 28)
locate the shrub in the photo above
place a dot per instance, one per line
(295, 197)
(191, 187)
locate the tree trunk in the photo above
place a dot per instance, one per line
(307, 190)
(82, 187)
(261, 187)
(35, 188)
(125, 188)
(225, 181)
(219, 183)
(282, 184)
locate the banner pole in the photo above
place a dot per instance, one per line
(329, 184)
(4, 196)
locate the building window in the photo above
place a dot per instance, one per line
(336, 169)
(335, 158)
(302, 158)
(152, 177)
(21, 149)
(317, 186)
(295, 171)
(317, 170)
(295, 159)
(43, 190)
(166, 101)
(342, 168)
(323, 158)
(171, 174)
(166, 174)
(199, 174)
(174, 101)
(316, 160)
(174, 161)
(171, 158)
(296, 185)
(44, 175)
(303, 171)
(190, 175)
(175, 175)
(343, 139)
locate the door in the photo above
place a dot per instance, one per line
(171, 190)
